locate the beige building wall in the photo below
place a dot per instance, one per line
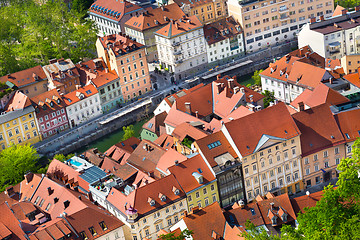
(148, 225)
(209, 11)
(275, 168)
(270, 22)
(350, 63)
(321, 166)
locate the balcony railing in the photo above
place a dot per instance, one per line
(284, 18)
(177, 53)
(174, 44)
(179, 61)
(282, 10)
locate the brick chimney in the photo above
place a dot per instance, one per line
(218, 77)
(312, 20)
(188, 107)
(343, 12)
(357, 8)
(251, 97)
(231, 83)
(322, 18)
(218, 87)
(28, 177)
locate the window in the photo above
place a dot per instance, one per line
(189, 198)
(204, 191)
(104, 227)
(336, 150)
(147, 232)
(315, 157)
(254, 167)
(326, 164)
(348, 149)
(337, 161)
(214, 198)
(293, 151)
(197, 194)
(280, 181)
(316, 168)
(271, 173)
(83, 235)
(279, 170)
(306, 161)
(48, 207)
(325, 154)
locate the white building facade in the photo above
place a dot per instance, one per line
(181, 51)
(335, 37)
(82, 105)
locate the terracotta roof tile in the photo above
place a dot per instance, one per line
(321, 94)
(113, 9)
(353, 78)
(165, 141)
(120, 44)
(222, 29)
(299, 203)
(75, 96)
(179, 26)
(104, 79)
(238, 216)
(19, 101)
(9, 223)
(154, 18)
(155, 122)
(278, 124)
(47, 102)
(185, 129)
(349, 123)
(184, 170)
(168, 159)
(25, 77)
(94, 156)
(176, 117)
(205, 221)
(318, 129)
(338, 11)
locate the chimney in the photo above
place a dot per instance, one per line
(185, 213)
(322, 18)
(231, 83)
(176, 25)
(49, 191)
(79, 197)
(271, 205)
(106, 70)
(188, 107)
(218, 77)
(176, 163)
(236, 89)
(343, 12)
(197, 114)
(10, 191)
(28, 177)
(357, 8)
(301, 106)
(331, 80)
(251, 97)
(287, 57)
(242, 90)
(241, 204)
(312, 20)
(218, 86)
(162, 7)
(307, 54)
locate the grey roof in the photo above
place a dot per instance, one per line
(9, 116)
(93, 174)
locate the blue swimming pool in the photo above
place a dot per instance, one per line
(75, 163)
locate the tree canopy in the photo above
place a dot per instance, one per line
(62, 157)
(128, 132)
(171, 236)
(32, 34)
(256, 77)
(269, 97)
(15, 161)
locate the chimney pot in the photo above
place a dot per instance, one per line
(312, 20)
(343, 12)
(301, 106)
(322, 18)
(188, 107)
(218, 77)
(231, 83)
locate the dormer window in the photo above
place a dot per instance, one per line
(103, 226)
(162, 197)
(70, 72)
(273, 220)
(175, 191)
(51, 104)
(284, 217)
(151, 201)
(58, 101)
(92, 231)
(83, 235)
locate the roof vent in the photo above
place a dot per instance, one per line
(66, 204)
(175, 191)
(162, 197)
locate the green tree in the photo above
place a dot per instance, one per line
(62, 157)
(128, 132)
(254, 233)
(32, 34)
(171, 236)
(15, 161)
(256, 77)
(269, 97)
(337, 214)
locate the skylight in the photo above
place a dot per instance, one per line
(214, 145)
(347, 135)
(252, 211)
(88, 91)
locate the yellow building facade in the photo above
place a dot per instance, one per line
(18, 126)
(203, 195)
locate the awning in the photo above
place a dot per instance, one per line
(334, 44)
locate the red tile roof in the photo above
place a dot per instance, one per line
(19, 101)
(238, 216)
(113, 9)
(168, 159)
(60, 170)
(206, 221)
(349, 123)
(338, 11)
(211, 154)
(9, 224)
(75, 96)
(191, 3)
(165, 141)
(94, 156)
(154, 18)
(104, 79)
(353, 78)
(222, 29)
(276, 206)
(122, 171)
(155, 122)
(47, 102)
(185, 129)
(176, 117)
(248, 130)
(139, 198)
(179, 26)
(321, 94)
(299, 203)
(91, 69)
(184, 170)
(318, 128)
(25, 77)
(120, 44)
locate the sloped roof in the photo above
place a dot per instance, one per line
(9, 225)
(318, 129)
(205, 221)
(176, 117)
(248, 130)
(179, 26)
(164, 140)
(238, 216)
(44, 99)
(353, 78)
(113, 9)
(321, 94)
(185, 129)
(72, 97)
(168, 159)
(59, 170)
(155, 122)
(183, 172)
(156, 17)
(211, 153)
(306, 74)
(25, 77)
(191, 3)
(338, 11)
(19, 101)
(299, 203)
(120, 44)
(105, 78)
(349, 123)
(222, 29)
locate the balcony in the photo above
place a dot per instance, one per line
(284, 17)
(283, 10)
(179, 61)
(177, 53)
(174, 44)
(334, 51)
